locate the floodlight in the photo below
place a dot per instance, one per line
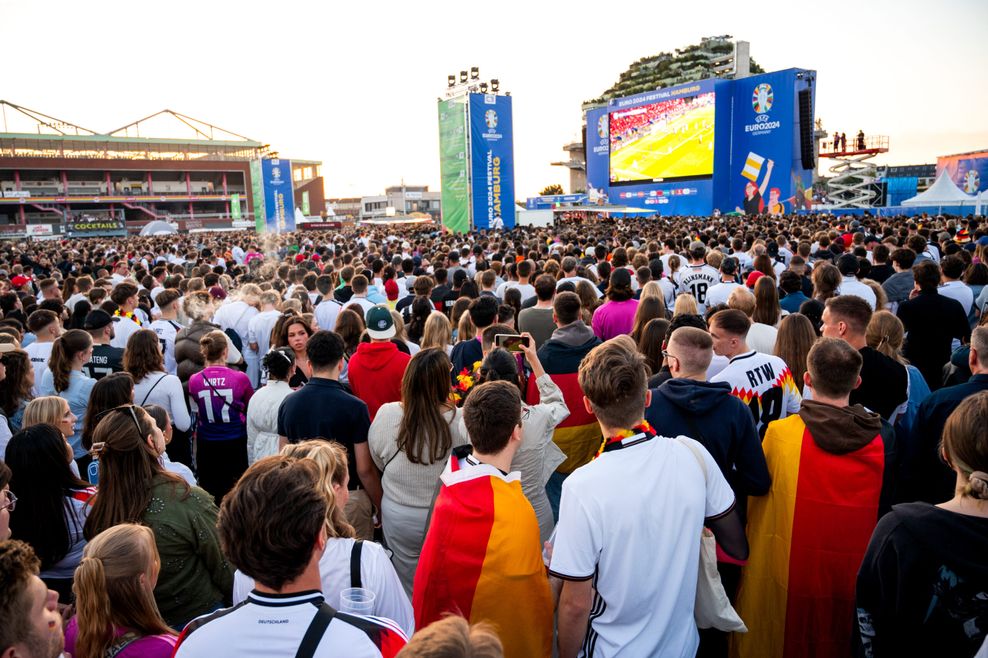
(483, 87)
(495, 85)
(474, 73)
(450, 80)
(463, 76)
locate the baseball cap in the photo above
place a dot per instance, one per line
(753, 277)
(391, 289)
(380, 324)
(96, 320)
(19, 280)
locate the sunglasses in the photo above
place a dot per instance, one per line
(11, 503)
(98, 447)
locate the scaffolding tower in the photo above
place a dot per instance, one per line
(853, 172)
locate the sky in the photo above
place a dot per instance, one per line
(355, 84)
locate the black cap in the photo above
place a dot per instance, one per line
(96, 320)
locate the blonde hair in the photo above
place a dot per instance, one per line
(685, 305)
(454, 637)
(742, 300)
(653, 289)
(881, 299)
(109, 590)
(438, 331)
(465, 330)
(48, 409)
(885, 334)
(331, 458)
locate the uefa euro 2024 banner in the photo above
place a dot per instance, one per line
(279, 195)
(766, 174)
(492, 160)
(969, 171)
(598, 150)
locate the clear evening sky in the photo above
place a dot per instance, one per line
(354, 84)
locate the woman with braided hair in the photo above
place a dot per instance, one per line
(921, 587)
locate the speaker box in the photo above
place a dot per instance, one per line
(805, 100)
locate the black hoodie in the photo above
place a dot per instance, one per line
(708, 413)
(923, 585)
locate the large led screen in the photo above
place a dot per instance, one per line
(664, 141)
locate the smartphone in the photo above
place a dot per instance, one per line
(511, 342)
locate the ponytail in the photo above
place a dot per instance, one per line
(63, 352)
(93, 610)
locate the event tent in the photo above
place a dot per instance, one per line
(942, 193)
(158, 227)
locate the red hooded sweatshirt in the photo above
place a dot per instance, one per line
(375, 372)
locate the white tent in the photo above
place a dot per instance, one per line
(943, 192)
(158, 227)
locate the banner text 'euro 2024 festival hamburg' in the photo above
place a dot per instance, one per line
(755, 121)
(492, 160)
(279, 197)
(453, 165)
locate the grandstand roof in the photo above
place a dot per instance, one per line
(55, 138)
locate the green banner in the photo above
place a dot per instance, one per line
(453, 165)
(305, 203)
(257, 192)
(235, 206)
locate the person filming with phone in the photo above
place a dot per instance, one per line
(538, 456)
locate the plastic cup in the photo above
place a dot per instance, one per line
(357, 601)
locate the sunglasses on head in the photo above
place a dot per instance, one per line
(123, 407)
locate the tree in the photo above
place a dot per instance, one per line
(555, 188)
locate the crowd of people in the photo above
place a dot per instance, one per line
(717, 436)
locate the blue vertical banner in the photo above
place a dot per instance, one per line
(492, 164)
(279, 195)
(598, 151)
(767, 175)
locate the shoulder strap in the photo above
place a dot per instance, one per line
(355, 563)
(317, 628)
(120, 644)
(152, 388)
(697, 456)
(235, 405)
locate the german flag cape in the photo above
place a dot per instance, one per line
(482, 559)
(807, 537)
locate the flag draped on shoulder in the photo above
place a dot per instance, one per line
(482, 559)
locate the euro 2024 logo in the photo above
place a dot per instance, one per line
(602, 127)
(761, 99)
(490, 118)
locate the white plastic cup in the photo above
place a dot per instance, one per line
(357, 601)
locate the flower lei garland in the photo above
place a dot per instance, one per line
(465, 380)
(643, 428)
(130, 315)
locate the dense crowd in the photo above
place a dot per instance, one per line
(667, 437)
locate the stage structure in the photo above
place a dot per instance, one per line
(854, 174)
(476, 154)
(743, 145)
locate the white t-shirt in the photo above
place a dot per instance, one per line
(326, 313)
(697, 280)
(75, 299)
(851, 286)
(167, 330)
(576, 279)
(236, 315)
(960, 291)
(720, 293)
(527, 290)
(274, 625)
(166, 391)
(764, 383)
(376, 574)
(122, 330)
(39, 353)
(640, 543)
